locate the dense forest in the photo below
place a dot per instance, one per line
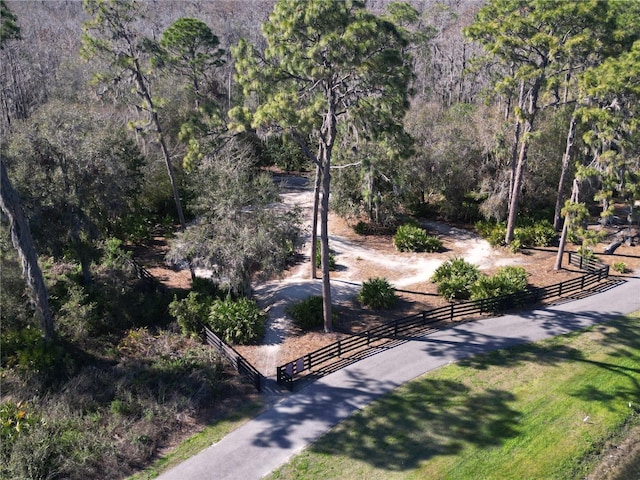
(122, 120)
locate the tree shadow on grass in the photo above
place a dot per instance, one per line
(427, 418)
(620, 336)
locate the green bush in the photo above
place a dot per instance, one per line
(410, 238)
(367, 228)
(539, 234)
(307, 314)
(206, 286)
(454, 278)
(15, 420)
(332, 258)
(492, 232)
(527, 234)
(26, 351)
(506, 280)
(361, 228)
(238, 321)
(190, 312)
(619, 267)
(378, 294)
(113, 253)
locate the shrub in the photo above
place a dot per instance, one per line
(361, 228)
(506, 280)
(332, 258)
(539, 234)
(238, 321)
(307, 314)
(190, 312)
(410, 238)
(492, 232)
(15, 420)
(206, 286)
(454, 278)
(527, 234)
(365, 228)
(113, 253)
(378, 294)
(619, 267)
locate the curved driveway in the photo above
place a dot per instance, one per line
(269, 440)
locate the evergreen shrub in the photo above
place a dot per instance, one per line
(238, 321)
(378, 294)
(505, 281)
(454, 278)
(307, 314)
(411, 238)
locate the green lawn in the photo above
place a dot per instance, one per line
(540, 411)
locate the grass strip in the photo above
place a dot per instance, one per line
(542, 410)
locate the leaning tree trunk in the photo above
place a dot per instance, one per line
(565, 228)
(514, 198)
(145, 93)
(564, 171)
(22, 241)
(516, 143)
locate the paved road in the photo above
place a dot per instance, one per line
(269, 440)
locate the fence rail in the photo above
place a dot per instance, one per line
(144, 275)
(233, 357)
(429, 319)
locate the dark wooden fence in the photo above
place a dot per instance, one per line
(144, 275)
(420, 323)
(233, 357)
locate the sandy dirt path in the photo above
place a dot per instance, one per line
(402, 270)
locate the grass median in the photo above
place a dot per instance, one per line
(542, 410)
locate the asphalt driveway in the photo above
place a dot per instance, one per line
(269, 440)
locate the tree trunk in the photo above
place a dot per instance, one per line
(516, 143)
(563, 173)
(324, 241)
(514, 198)
(144, 92)
(532, 110)
(327, 138)
(22, 241)
(314, 222)
(565, 228)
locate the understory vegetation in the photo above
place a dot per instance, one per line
(237, 321)
(412, 238)
(124, 126)
(377, 293)
(458, 279)
(307, 313)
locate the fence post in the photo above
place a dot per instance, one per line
(309, 360)
(424, 317)
(452, 312)
(339, 348)
(582, 282)
(368, 337)
(560, 288)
